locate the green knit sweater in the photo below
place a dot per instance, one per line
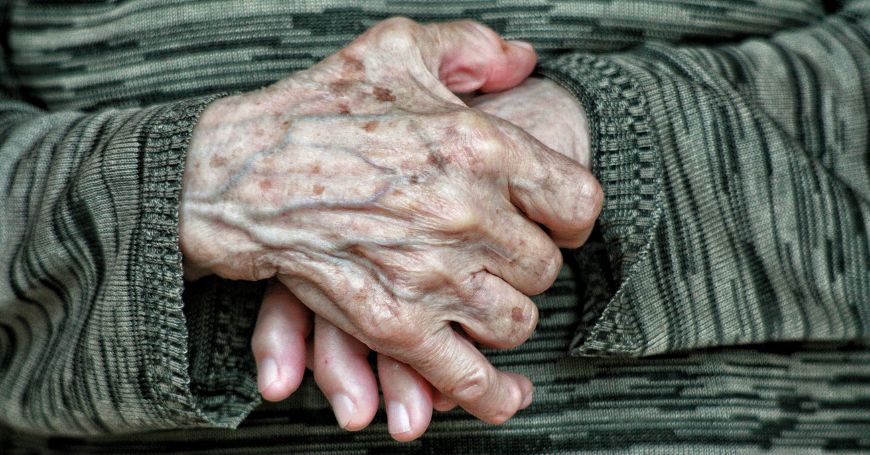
(730, 137)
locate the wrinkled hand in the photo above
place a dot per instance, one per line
(388, 207)
(339, 361)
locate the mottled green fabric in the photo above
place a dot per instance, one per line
(731, 138)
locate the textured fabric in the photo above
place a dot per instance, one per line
(730, 138)
(788, 398)
(738, 187)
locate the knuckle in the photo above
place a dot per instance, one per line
(590, 203)
(506, 408)
(390, 330)
(472, 286)
(477, 131)
(468, 120)
(486, 145)
(545, 262)
(396, 31)
(429, 351)
(551, 265)
(525, 318)
(474, 140)
(472, 386)
(460, 218)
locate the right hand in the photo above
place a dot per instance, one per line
(388, 207)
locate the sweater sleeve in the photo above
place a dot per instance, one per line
(737, 188)
(93, 329)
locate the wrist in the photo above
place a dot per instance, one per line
(217, 199)
(195, 184)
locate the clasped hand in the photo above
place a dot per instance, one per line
(398, 215)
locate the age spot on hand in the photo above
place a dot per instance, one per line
(370, 126)
(383, 94)
(340, 86)
(352, 66)
(438, 160)
(217, 161)
(517, 314)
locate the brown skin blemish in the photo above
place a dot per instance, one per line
(318, 189)
(383, 94)
(217, 161)
(352, 65)
(340, 86)
(437, 160)
(343, 109)
(370, 126)
(265, 185)
(315, 169)
(517, 314)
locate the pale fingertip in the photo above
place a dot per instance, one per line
(268, 374)
(527, 389)
(398, 420)
(522, 45)
(344, 409)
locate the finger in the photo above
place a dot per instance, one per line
(571, 239)
(408, 398)
(278, 343)
(453, 365)
(495, 314)
(519, 251)
(444, 358)
(440, 402)
(549, 188)
(344, 375)
(471, 56)
(465, 56)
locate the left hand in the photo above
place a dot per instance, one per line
(546, 111)
(340, 362)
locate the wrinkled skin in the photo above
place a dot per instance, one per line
(388, 207)
(340, 365)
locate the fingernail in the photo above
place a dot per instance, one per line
(344, 409)
(267, 373)
(522, 45)
(398, 421)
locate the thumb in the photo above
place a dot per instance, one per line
(468, 56)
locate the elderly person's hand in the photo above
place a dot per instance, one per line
(340, 365)
(390, 208)
(546, 111)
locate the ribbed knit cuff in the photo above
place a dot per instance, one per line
(157, 279)
(625, 160)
